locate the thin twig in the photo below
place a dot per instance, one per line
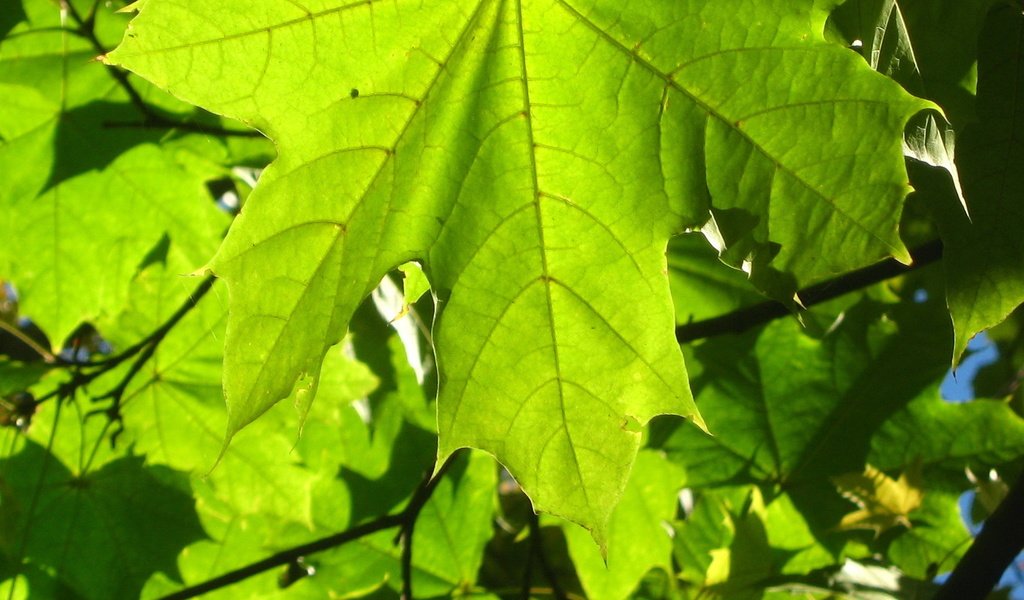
(411, 513)
(749, 317)
(528, 573)
(34, 502)
(145, 351)
(159, 333)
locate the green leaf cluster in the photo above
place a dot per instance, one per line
(219, 224)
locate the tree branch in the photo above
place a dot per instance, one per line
(145, 349)
(749, 317)
(82, 373)
(161, 332)
(287, 556)
(411, 513)
(1000, 540)
(406, 520)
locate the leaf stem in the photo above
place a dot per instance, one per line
(753, 316)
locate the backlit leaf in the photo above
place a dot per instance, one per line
(648, 507)
(527, 153)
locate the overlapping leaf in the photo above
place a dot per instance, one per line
(985, 253)
(818, 411)
(701, 288)
(932, 49)
(129, 519)
(929, 46)
(648, 506)
(813, 409)
(534, 157)
(87, 192)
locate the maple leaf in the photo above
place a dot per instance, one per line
(528, 154)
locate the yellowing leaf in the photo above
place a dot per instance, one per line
(884, 503)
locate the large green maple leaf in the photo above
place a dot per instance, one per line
(534, 156)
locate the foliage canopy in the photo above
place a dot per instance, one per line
(576, 183)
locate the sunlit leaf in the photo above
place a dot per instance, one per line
(884, 502)
(516, 136)
(646, 511)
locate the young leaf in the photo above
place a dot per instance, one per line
(527, 153)
(884, 503)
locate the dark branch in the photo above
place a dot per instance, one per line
(1000, 540)
(747, 318)
(527, 589)
(410, 515)
(84, 373)
(152, 339)
(144, 351)
(288, 556)
(161, 332)
(406, 520)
